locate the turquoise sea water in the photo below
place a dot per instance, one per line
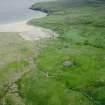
(17, 10)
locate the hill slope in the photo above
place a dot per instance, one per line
(70, 68)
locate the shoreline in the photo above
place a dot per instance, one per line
(40, 15)
(13, 26)
(28, 31)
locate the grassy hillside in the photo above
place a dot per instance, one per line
(71, 68)
(15, 57)
(67, 70)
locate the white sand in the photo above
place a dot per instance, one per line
(28, 32)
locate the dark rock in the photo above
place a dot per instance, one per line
(40, 9)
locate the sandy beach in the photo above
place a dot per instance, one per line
(26, 31)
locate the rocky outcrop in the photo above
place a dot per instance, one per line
(40, 9)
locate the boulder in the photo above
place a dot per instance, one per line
(67, 63)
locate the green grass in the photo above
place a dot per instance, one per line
(81, 40)
(15, 54)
